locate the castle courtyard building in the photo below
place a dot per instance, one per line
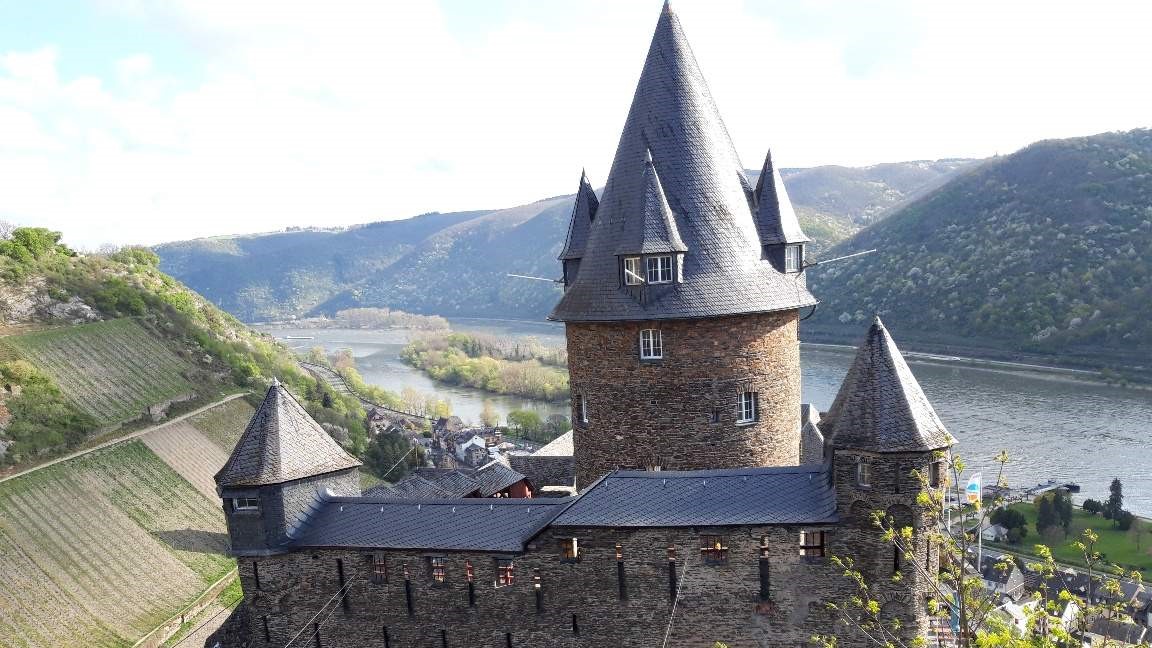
(707, 507)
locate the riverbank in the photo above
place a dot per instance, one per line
(498, 365)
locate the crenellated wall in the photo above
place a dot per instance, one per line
(680, 412)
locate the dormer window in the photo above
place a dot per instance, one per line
(659, 269)
(651, 345)
(245, 503)
(793, 257)
(632, 276)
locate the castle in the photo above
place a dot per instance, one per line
(709, 499)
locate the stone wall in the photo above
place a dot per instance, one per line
(282, 506)
(680, 412)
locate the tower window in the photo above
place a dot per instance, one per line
(713, 550)
(748, 407)
(812, 544)
(935, 474)
(651, 344)
(505, 573)
(632, 276)
(583, 408)
(765, 571)
(436, 569)
(793, 256)
(379, 569)
(863, 474)
(245, 503)
(569, 550)
(659, 269)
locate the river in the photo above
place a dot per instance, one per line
(1052, 425)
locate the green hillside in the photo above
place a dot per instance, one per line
(1044, 251)
(100, 549)
(112, 370)
(456, 264)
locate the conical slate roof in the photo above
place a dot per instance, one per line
(583, 213)
(674, 117)
(282, 443)
(880, 406)
(775, 219)
(655, 231)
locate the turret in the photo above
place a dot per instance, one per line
(682, 339)
(781, 238)
(880, 429)
(583, 213)
(278, 470)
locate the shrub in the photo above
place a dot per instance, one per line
(1092, 506)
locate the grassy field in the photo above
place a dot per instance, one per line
(1117, 546)
(111, 370)
(100, 549)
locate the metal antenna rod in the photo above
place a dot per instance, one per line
(520, 276)
(839, 258)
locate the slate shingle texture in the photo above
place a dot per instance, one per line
(282, 443)
(775, 218)
(880, 407)
(501, 525)
(583, 213)
(739, 496)
(654, 231)
(674, 117)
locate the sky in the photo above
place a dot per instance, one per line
(143, 121)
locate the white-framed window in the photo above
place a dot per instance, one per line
(583, 402)
(659, 269)
(812, 543)
(863, 473)
(651, 344)
(793, 256)
(245, 503)
(748, 407)
(632, 276)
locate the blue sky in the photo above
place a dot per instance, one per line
(145, 120)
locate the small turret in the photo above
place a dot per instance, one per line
(282, 464)
(649, 246)
(583, 214)
(780, 235)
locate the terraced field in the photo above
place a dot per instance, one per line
(224, 424)
(98, 550)
(111, 370)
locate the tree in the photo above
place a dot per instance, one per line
(1115, 503)
(390, 455)
(488, 415)
(1045, 516)
(1092, 506)
(524, 422)
(1124, 520)
(1062, 503)
(317, 355)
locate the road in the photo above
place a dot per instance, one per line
(128, 437)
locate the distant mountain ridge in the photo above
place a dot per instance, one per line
(457, 263)
(1043, 251)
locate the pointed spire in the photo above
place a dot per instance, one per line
(583, 213)
(880, 406)
(282, 443)
(775, 219)
(673, 117)
(653, 230)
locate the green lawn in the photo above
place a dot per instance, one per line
(1119, 547)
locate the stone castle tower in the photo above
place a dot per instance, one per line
(683, 291)
(270, 481)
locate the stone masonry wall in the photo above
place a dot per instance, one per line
(580, 602)
(646, 413)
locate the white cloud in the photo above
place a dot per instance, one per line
(354, 110)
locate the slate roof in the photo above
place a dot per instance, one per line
(495, 477)
(811, 444)
(740, 496)
(880, 407)
(501, 525)
(282, 443)
(560, 446)
(1121, 631)
(654, 232)
(436, 482)
(545, 470)
(775, 219)
(674, 117)
(413, 487)
(583, 213)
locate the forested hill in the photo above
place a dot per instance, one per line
(456, 264)
(1046, 250)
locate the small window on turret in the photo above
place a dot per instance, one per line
(632, 276)
(659, 269)
(793, 257)
(245, 503)
(748, 407)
